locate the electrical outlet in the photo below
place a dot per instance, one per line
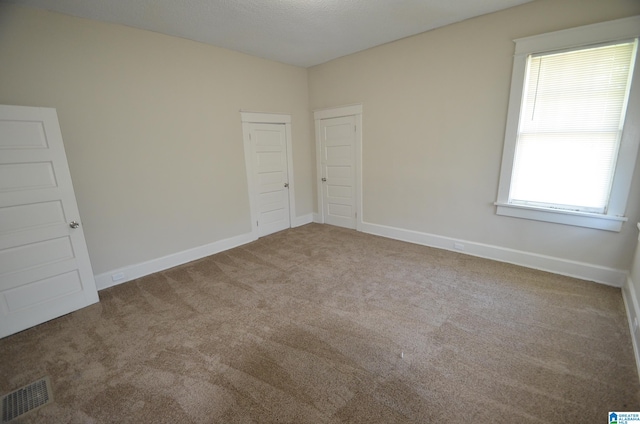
(458, 246)
(117, 277)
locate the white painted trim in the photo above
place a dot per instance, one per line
(578, 219)
(609, 276)
(317, 218)
(267, 118)
(292, 185)
(603, 32)
(302, 220)
(132, 272)
(339, 112)
(359, 219)
(630, 298)
(253, 209)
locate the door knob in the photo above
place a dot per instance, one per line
(286, 185)
(324, 179)
(74, 224)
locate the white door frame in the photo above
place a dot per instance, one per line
(266, 118)
(339, 112)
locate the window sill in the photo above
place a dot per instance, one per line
(578, 219)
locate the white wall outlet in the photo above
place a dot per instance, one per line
(117, 277)
(458, 245)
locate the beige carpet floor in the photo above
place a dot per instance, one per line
(320, 324)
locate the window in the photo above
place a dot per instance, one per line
(567, 157)
(570, 126)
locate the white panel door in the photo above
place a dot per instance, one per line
(271, 180)
(44, 265)
(337, 147)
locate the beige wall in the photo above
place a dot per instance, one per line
(631, 291)
(635, 269)
(152, 129)
(154, 142)
(434, 112)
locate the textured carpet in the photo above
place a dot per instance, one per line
(320, 324)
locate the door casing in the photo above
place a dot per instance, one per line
(338, 112)
(266, 118)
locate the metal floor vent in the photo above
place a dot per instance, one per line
(26, 399)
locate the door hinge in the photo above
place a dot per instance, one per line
(249, 136)
(354, 129)
(257, 223)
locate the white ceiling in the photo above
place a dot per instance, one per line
(297, 32)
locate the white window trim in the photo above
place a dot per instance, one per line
(621, 29)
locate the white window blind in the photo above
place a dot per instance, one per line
(570, 125)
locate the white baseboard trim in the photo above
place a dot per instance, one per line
(633, 312)
(302, 220)
(122, 275)
(317, 218)
(609, 276)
